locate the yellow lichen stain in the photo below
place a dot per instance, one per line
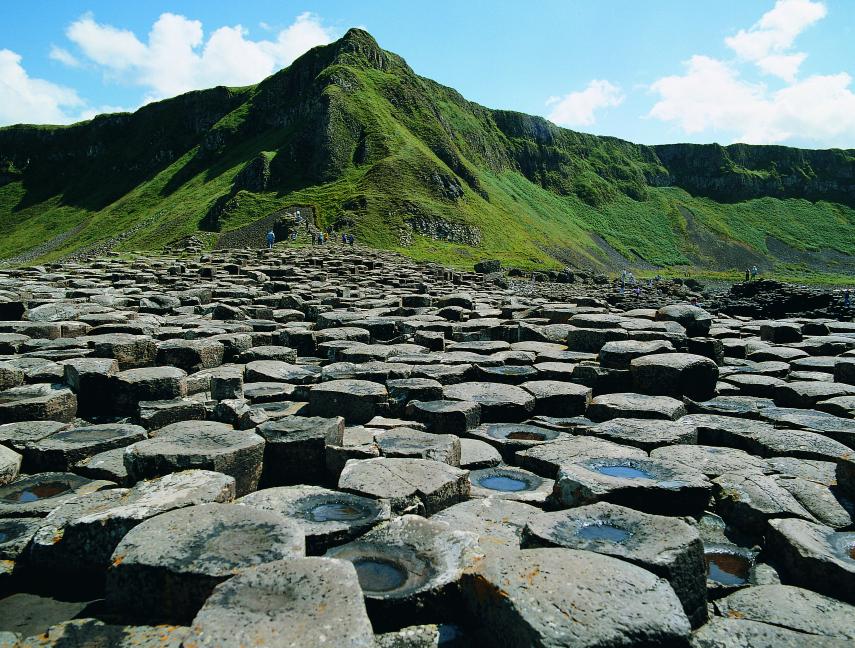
(735, 614)
(531, 574)
(118, 560)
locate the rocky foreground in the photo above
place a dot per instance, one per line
(337, 447)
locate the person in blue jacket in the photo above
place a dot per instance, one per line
(271, 239)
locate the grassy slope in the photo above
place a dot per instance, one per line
(584, 186)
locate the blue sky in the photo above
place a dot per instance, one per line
(760, 71)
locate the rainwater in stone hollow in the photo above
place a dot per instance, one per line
(624, 472)
(376, 575)
(604, 532)
(502, 483)
(39, 492)
(727, 568)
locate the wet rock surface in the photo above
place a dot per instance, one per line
(469, 462)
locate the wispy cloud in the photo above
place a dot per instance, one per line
(580, 108)
(63, 56)
(24, 99)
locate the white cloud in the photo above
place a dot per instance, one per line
(24, 99)
(768, 40)
(712, 96)
(579, 108)
(63, 56)
(177, 58)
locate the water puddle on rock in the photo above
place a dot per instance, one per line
(624, 472)
(336, 512)
(503, 483)
(727, 568)
(604, 532)
(377, 575)
(36, 493)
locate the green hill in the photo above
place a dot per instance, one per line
(411, 165)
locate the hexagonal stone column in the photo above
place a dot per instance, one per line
(60, 451)
(410, 485)
(199, 444)
(407, 567)
(499, 403)
(632, 405)
(557, 398)
(445, 416)
(655, 486)
(565, 597)
(308, 602)
(38, 402)
(358, 401)
(130, 387)
(190, 355)
(37, 495)
(675, 374)
(666, 546)
(815, 556)
(79, 536)
(409, 443)
(793, 608)
(165, 568)
(327, 517)
(295, 448)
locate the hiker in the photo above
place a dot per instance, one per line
(271, 239)
(747, 274)
(350, 239)
(847, 300)
(343, 238)
(754, 272)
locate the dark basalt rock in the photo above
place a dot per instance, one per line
(188, 552)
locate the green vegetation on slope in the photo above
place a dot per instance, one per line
(397, 158)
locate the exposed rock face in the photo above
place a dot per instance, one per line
(443, 230)
(741, 172)
(465, 473)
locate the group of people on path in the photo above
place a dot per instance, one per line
(317, 239)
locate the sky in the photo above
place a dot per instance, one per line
(658, 71)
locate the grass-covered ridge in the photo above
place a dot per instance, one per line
(352, 130)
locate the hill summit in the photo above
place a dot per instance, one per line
(410, 165)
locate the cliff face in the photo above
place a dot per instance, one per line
(353, 127)
(741, 172)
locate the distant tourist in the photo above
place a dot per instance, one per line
(271, 239)
(747, 274)
(350, 239)
(847, 300)
(754, 272)
(343, 238)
